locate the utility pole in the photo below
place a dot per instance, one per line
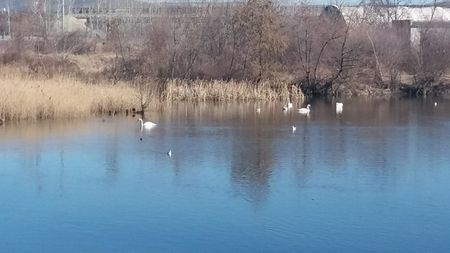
(63, 13)
(109, 17)
(9, 22)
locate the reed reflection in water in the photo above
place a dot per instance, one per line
(374, 178)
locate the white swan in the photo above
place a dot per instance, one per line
(294, 128)
(147, 125)
(258, 110)
(169, 154)
(435, 104)
(339, 108)
(287, 106)
(305, 110)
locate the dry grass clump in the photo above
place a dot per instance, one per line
(199, 90)
(26, 97)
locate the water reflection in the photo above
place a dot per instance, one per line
(111, 157)
(234, 174)
(373, 136)
(303, 154)
(251, 162)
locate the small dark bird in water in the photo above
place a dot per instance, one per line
(134, 111)
(140, 139)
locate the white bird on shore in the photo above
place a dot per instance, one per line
(305, 110)
(339, 108)
(147, 125)
(294, 128)
(435, 104)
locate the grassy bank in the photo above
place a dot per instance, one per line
(27, 97)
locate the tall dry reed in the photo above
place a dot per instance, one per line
(29, 97)
(24, 96)
(227, 91)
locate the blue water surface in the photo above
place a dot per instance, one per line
(374, 179)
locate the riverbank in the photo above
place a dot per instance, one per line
(53, 87)
(33, 97)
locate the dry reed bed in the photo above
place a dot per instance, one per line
(26, 97)
(31, 97)
(227, 91)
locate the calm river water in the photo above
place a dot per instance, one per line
(374, 179)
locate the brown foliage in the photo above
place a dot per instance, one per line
(75, 43)
(255, 41)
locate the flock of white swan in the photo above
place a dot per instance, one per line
(306, 110)
(148, 125)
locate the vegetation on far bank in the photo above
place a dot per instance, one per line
(25, 96)
(256, 50)
(28, 97)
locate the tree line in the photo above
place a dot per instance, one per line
(315, 49)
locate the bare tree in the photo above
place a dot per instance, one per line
(320, 49)
(383, 12)
(145, 91)
(259, 29)
(431, 57)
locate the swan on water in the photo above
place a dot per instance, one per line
(435, 104)
(305, 110)
(258, 110)
(147, 125)
(339, 108)
(169, 154)
(294, 128)
(289, 105)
